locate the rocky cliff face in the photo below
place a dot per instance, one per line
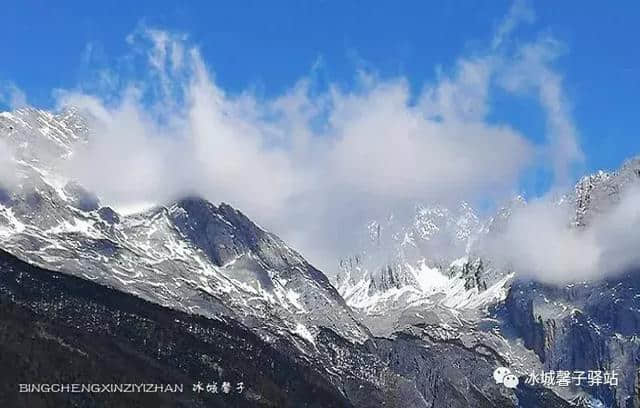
(595, 193)
(586, 326)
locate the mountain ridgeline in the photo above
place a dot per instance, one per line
(194, 292)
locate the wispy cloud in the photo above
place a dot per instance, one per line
(12, 96)
(532, 72)
(520, 12)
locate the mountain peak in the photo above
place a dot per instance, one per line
(222, 232)
(596, 192)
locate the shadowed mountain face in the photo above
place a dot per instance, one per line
(60, 329)
(586, 325)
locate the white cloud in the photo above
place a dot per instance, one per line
(539, 241)
(266, 156)
(312, 166)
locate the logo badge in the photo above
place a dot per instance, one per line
(502, 375)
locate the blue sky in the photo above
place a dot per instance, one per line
(267, 46)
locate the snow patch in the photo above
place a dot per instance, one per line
(429, 279)
(302, 331)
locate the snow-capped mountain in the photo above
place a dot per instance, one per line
(594, 193)
(189, 255)
(399, 282)
(423, 261)
(417, 320)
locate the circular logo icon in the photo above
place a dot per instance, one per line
(510, 381)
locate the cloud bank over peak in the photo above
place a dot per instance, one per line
(540, 242)
(338, 156)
